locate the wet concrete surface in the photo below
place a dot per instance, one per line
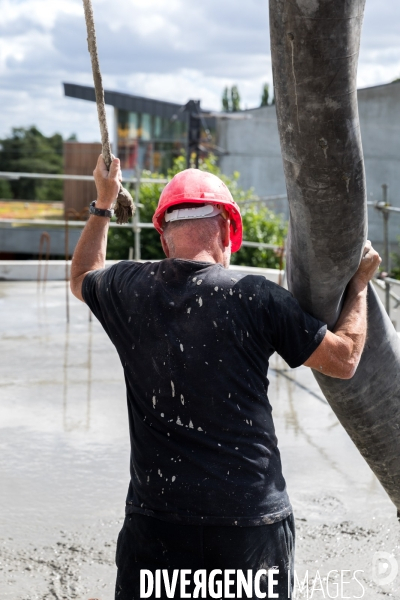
(64, 462)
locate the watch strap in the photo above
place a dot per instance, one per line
(100, 212)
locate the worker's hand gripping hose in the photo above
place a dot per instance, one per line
(124, 207)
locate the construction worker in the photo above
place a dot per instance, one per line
(207, 499)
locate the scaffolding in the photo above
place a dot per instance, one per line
(384, 281)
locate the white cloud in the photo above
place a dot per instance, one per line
(172, 50)
(39, 12)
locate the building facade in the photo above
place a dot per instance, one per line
(252, 147)
(150, 133)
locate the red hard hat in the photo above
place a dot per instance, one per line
(199, 187)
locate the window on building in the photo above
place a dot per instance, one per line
(123, 124)
(157, 128)
(149, 141)
(146, 127)
(180, 130)
(133, 125)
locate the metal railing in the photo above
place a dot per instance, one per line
(385, 209)
(383, 282)
(16, 175)
(136, 225)
(386, 284)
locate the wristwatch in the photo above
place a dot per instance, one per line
(100, 212)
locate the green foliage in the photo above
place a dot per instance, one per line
(235, 99)
(265, 95)
(121, 239)
(28, 150)
(5, 190)
(225, 100)
(231, 99)
(259, 223)
(266, 99)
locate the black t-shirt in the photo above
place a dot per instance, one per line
(194, 340)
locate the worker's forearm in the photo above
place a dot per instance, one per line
(340, 351)
(90, 251)
(352, 324)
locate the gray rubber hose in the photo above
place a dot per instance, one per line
(315, 46)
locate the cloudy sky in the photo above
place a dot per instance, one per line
(167, 49)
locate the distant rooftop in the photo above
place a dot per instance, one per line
(129, 102)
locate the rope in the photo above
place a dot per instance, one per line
(124, 207)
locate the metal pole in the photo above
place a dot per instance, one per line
(44, 239)
(386, 254)
(387, 297)
(136, 218)
(66, 265)
(385, 214)
(188, 146)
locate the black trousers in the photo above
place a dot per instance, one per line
(146, 543)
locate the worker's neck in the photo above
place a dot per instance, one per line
(203, 256)
(200, 256)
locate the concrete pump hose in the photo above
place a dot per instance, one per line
(314, 48)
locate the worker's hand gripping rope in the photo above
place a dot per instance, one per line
(108, 182)
(124, 207)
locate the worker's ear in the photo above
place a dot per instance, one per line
(164, 246)
(226, 233)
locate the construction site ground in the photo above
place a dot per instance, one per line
(64, 463)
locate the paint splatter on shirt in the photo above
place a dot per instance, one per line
(210, 415)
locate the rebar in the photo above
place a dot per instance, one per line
(44, 239)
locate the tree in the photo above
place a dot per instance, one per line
(5, 189)
(225, 100)
(28, 150)
(259, 223)
(265, 95)
(231, 99)
(235, 99)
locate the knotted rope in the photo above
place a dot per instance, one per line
(124, 207)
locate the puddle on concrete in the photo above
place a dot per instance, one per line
(64, 457)
(64, 432)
